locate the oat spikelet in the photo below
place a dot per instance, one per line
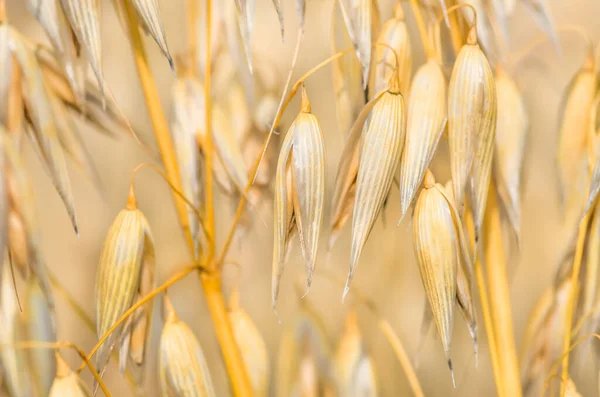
(395, 34)
(436, 249)
(43, 120)
(187, 120)
(84, 18)
(246, 10)
(149, 12)
(124, 273)
(278, 4)
(355, 369)
(305, 364)
(543, 17)
(67, 382)
(380, 148)
(425, 124)
(252, 346)
(357, 16)
(303, 149)
(512, 126)
(39, 322)
(182, 367)
(471, 108)
(574, 124)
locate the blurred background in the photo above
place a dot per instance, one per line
(387, 272)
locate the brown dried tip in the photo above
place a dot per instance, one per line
(305, 105)
(131, 201)
(429, 180)
(472, 36)
(399, 11)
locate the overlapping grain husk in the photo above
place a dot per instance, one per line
(125, 273)
(301, 161)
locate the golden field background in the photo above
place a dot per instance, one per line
(387, 271)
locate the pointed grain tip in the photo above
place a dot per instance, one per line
(346, 290)
(172, 65)
(451, 372)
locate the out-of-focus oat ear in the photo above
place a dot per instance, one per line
(305, 364)
(278, 4)
(355, 368)
(425, 125)
(149, 13)
(67, 382)
(15, 371)
(246, 10)
(379, 151)
(512, 126)
(84, 17)
(464, 272)
(543, 17)
(395, 34)
(43, 120)
(22, 229)
(125, 272)
(182, 367)
(186, 122)
(357, 16)
(472, 109)
(303, 148)
(40, 326)
(436, 248)
(571, 390)
(11, 102)
(349, 95)
(252, 346)
(574, 124)
(54, 21)
(593, 138)
(501, 17)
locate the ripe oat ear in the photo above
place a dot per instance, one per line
(358, 23)
(67, 382)
(43, 120)
(149, 13)
(182, 367)
(425, 123)
(379, 152)
(84, 18)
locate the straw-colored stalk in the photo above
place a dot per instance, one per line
(499, 297)
(211, 283)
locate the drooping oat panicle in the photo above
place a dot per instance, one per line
(15, 372)
(187, 120)
(395, 34)
(54, 21)
(182, 367)
(43, 120)
(379, 154)
(574, 123)
(84, 18)
(543, 17)
(357, 15)
(437, 250)
(471, 107)
(40, 327)
(252, 346)
(425, 124)
(512, 126)
(305, 363)
(303, 149)
(149, 12)
(124, 273)
(355, 369)
(67, 382)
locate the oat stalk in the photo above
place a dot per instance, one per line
(211, 284)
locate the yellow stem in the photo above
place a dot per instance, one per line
(231, 354)
(487, 317)
(422, 29)
(175, 278)
(568, 320)
(159, 123)
(500, 298)
(208, 148)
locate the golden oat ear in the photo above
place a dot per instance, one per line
(149, 14)
(358, 21)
